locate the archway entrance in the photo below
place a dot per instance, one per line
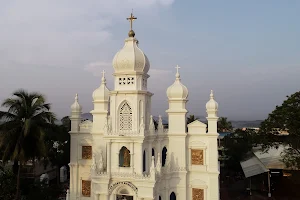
(124, 197)
(124, 190)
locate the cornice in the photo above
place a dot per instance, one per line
(115, 92)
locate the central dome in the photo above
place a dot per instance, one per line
(131, 59)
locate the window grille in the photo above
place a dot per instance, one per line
(125, 117)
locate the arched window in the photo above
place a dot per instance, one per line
(172, 196)
(159, 198)
(144, 161)
(125, 117)
(124, 157)
(164, 156)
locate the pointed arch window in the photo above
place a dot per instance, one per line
(125, 117)
(173, 196)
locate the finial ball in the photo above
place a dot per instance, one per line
(131, 33)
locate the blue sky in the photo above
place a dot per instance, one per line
(248, 52)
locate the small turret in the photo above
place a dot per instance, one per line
(212, 111)
(75, 115)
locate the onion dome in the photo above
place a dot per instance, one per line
(131, 59)
(177, 90)
(75, 106)
(211, 105)
(102, 92)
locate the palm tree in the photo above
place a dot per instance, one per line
(224, 125)
(191, 118)
(23, 129)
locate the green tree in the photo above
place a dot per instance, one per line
(237, 145)
(191, 118)
(7, 184)
(25, 123)
(58, 146)
(38, 191)
(66, 122)
(224, 125)
(284, 118)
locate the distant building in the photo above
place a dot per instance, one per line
(33, 171)
(255, 129)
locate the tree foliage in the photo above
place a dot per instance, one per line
(224, 125)
(7, 184)
(237, 145)
(284, 118)
(24, 126)
(38, 191)
(58, 145)
(191, 118)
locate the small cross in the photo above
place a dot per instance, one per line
(103, 73)
(177, 67)
(131, 19)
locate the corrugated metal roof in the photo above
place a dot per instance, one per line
(272, 158)
(253, 166)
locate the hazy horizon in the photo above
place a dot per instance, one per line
(247, 52)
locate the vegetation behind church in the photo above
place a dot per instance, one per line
(28, 132)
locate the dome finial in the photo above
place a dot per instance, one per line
(103, 77)
(131, 18)
(211, 94)
(177, 72)
(76, 106)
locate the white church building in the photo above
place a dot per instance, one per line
(122, 155)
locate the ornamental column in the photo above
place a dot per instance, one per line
(131, 157)
(108, 158)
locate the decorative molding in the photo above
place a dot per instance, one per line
(197, 144)
(198, 194)
(197, 157)
(86, 142)
(86, 152)
(86, 125)
(124, 133)
(86, 188)
(198, 183)
(115, 185)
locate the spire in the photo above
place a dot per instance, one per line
(131, 18)
(151, 124)
(160, 125)
(103, 77)
(177, 73)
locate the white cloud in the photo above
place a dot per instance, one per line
(55, 32)
(47, 43)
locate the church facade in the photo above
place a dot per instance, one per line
(122, 154)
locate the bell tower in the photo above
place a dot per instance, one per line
(130, 105)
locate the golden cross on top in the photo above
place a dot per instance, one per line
(131, 19)
(103, 73)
